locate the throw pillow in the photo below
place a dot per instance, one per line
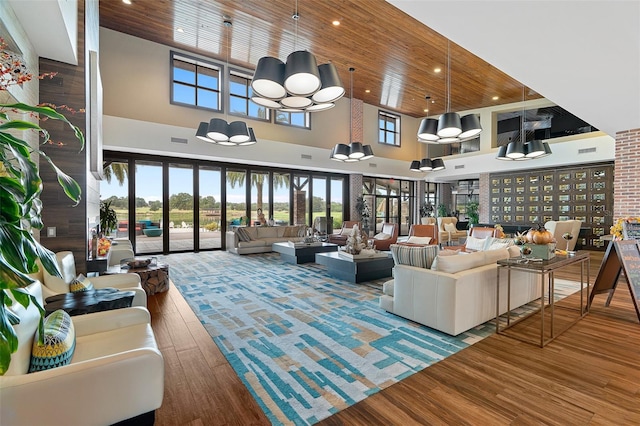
(421, 257)
(475, 244)
(381, 236)
(243, 234)
(80, 284)
(346, 231)
(443, 253)
(419, 240)
(59, 343)
(496, 246)
(450, 227)
(453, 264)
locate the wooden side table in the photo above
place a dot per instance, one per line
(154, 278)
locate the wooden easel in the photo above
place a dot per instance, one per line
(620, 255)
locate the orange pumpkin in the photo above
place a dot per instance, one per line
(540, 235)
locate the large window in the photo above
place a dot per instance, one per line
(388, 128)
(295, 119)
(210, 211)
(390, 200)
(148, 207)
(181, 219)
(195, 83)
(240, 94)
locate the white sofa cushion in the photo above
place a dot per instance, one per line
(381, 236)
(67, 265)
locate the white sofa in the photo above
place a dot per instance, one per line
(460, 294)
(116, 372)
(262, 237)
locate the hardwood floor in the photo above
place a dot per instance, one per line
(588, 375)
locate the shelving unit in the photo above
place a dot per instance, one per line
(537, 196)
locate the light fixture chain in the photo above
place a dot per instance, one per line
(351, 70)
(448, 76)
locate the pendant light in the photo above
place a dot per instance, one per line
(299, 85)
(449, 128)
(219, 131)
(427, 164)
(520, 150)
(355, 151)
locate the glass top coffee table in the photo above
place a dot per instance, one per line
(357, 270)
(302, 252)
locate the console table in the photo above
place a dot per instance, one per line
(545, 269)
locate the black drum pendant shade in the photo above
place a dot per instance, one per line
(515, 150)
(535, 148)
(268, 80)
(425, 165)
(238, 132)
(415, 166)
(428, 130)
(331, 88)
(218, 130)
(470, 126)
(449, 125)
(301, 75)
(437, 164)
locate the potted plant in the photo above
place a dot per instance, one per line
(20, 188)
(472, 213)
(426, 209)
(442, 210)
(108, 217)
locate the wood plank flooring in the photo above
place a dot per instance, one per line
(589, 375)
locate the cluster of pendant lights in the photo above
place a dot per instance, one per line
(520, 150)
(427, 165)
(299, 85)
(449, 128)
(355, 151)
(217, 130)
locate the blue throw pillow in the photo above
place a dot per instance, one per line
(59, 343)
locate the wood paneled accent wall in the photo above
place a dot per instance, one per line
(66, 88)
(627, 174)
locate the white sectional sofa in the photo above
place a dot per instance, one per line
(459, 294)
(258, 239)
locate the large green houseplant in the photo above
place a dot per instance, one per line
(20, 188)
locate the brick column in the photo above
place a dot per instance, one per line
(627, 174)
(484, 205)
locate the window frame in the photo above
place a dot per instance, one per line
(199, 63)
(237, 72)
(386, 115)
(307, 119)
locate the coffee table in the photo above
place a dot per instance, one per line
(302, 253)
(356, 270)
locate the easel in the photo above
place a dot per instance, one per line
(620, 255)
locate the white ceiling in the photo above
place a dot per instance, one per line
(582, 55)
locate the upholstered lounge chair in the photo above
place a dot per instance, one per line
(422, 231)
(52, 285)
(480, 233)
(381, 241)
(447, 231)
(116, 372)
(340, 237)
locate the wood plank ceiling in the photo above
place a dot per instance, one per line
(394, 56)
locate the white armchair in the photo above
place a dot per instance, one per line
(116, 373)
(52, 285)
(559, 228)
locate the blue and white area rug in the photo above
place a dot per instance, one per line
(306, 345)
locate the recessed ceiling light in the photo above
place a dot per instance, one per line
(335, 23)
(426, 110)
(367, 91)
(436, 70)
(126, 1)
(495, 98)
(180, 30)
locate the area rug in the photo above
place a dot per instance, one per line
(307, 345)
